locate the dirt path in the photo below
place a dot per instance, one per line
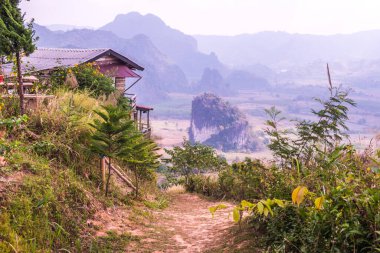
(185, 226)
(191, 226)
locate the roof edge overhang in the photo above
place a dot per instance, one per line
(124, 59)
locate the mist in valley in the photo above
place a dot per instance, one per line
(251, 71)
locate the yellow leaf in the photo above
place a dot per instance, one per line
(279, 202)
(268, 204)
(266, 211)
(295, 193)
(213, 209)
(298, 195)
(319, 202)
(236, 215)
(260, 208)
(246, 204)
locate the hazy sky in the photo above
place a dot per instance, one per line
(223, 17)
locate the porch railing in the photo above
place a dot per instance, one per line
(132, 98)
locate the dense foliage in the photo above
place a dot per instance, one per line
(84, 77)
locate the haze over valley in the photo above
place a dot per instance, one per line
(251, 71)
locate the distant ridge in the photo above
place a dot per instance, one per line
(281, 49)
(179, 47)
(65, 28)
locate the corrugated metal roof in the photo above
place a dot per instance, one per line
(50, 58)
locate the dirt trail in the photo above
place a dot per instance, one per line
(191, 226)
(185, 226)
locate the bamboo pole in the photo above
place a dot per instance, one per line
(103, 168)
(123, 177)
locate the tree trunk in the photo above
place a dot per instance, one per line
(109, 176)
(20, 83)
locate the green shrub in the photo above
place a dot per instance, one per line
(249, 180)
(161, 202)
(44, 148)
(191, 159)
(206, 185)
(347, 223)
(88, 77)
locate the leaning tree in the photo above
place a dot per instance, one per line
(16, 38)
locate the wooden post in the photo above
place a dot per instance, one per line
(20, 86)
(103, 168)
(148, 123)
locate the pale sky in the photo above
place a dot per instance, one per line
(221, 17)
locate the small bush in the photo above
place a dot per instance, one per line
(88, 77)
(161, 202)
(249, 180)
(206, 185)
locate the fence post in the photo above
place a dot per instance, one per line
(103, 168)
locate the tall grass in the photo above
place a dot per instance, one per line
(57, 190)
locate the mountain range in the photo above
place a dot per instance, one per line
(177, 62)
(281, 50)
(354, 58)
(65, 28)
(171, 58)
(179, 47)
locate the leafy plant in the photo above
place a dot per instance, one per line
(213, 209)
(161, 202)
(311, 139)
(9, 124)
(141, 158)
(88, 77)
(111, 136)
(193, 159)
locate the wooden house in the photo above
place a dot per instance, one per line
(121, 69)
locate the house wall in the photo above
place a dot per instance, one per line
(110, 60)
(120, 84)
